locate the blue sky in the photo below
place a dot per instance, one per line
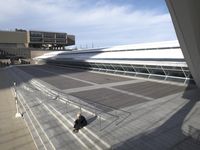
(93, 22)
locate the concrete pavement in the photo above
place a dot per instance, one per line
(150, 115)
(14, 134)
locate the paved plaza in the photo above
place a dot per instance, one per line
(123, 112)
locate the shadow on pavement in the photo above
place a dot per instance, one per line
(170, 135)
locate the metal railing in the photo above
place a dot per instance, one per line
(169, 73)
(98, 109)
(109, 114)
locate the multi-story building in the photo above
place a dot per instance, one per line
(21, 42)
(51, 40)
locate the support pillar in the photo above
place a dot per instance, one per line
(186, 19)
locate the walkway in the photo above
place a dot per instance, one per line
(14, 135)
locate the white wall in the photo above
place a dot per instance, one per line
(186, 18)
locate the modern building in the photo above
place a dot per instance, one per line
(157, 60)
(21, 42)
(50, 40)
(185, 17)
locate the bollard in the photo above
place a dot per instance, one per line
(17, 115)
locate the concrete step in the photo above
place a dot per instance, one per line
(37, 131)
(91, 130)
(92, 137)
(36, 104)
(58, 136)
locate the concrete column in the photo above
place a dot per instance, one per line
(186, 19)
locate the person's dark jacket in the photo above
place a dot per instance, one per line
(80, 122)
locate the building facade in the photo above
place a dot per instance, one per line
(20, 42)
(50, 40)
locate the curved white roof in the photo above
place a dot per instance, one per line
(145, 46)
(169, 49)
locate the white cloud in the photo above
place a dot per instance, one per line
(100, 23)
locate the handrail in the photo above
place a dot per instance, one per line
(101, 111)
(110, 107)
(90, 102)
(77, 103)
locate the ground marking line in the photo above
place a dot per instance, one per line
(85, 136)
(106, 85)
(125, 76)
(38, 122)
(103, 86)
(61, 122)
(67, 76)
(33, 127)
(12, 90)
(132, 94)
(104, 143)
(63, 100)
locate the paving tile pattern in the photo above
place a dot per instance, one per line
(148, 118)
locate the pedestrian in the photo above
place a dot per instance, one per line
(79, 123)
